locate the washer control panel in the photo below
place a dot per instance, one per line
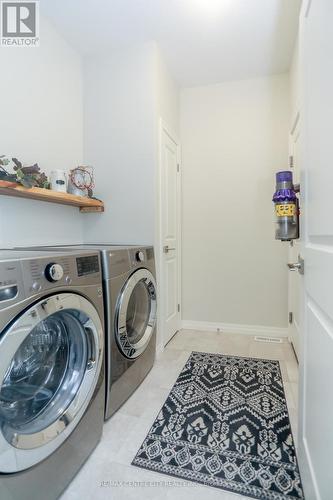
(25, 274)
(36, 286)
(54, 272)
(41, 274)
(87, 265)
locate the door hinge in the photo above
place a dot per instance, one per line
(291, 161)
(178, 167)
(178, 307)
(291, 318)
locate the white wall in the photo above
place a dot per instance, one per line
(119, 140)
(167, 95)
(234, 138)
(125, 95)
(41, 109)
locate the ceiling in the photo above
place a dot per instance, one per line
(202, 41)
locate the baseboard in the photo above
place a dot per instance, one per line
(203, 326)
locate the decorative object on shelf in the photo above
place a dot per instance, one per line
(31, 183)
(58, 181)
(81, 181)
(30, 176)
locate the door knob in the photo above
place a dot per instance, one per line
(167, 249)
(293, 266)
(297, 266)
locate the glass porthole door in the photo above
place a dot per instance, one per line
(51, 360)
(136, 313)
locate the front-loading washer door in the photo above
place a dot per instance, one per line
(135, 317)
(51, 358)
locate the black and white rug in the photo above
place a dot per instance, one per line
(225, 423)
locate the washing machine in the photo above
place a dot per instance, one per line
(130, 303)
(52, 391)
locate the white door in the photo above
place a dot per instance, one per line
(316, 360)
(170, 235)
(295, 246)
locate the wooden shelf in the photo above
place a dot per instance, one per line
(83, 203)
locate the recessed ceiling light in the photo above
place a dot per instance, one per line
(209, 7)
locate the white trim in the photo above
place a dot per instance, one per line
(307, 8)
(310, 485)
(295, 123)
(173, 136)
(205, 326)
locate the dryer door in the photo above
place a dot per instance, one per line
(51, 358)
(136, 313)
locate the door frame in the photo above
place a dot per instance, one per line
(295, 126)
(164, 128)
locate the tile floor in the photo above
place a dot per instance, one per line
(108, 473)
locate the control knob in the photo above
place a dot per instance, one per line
(36, 287)
(54, 272)
(140, 256)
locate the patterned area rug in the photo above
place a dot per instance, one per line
(225, 423)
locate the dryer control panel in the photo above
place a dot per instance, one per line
(141, 256)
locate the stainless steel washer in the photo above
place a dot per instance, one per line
(51, 369)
